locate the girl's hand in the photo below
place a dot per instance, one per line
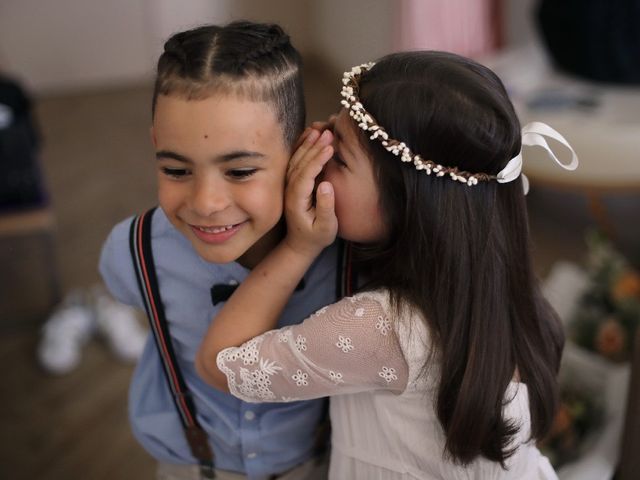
(321, 126)
(325, 125)
(311, 226)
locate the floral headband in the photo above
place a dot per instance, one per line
(532, 134)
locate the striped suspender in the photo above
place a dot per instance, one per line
(141, 253)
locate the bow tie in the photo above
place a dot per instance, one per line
(221, 292)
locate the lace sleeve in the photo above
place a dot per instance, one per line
(347, 347)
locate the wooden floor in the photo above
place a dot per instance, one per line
(99, 168)
(69, 427)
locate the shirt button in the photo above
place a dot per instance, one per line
(252, 455)
(249, 415)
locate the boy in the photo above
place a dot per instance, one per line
(227, 109)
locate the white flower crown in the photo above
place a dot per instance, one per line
(532, 134)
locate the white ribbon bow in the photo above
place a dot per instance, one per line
(533, 135)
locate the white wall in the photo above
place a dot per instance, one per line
(166, 17)
(65, 45)
(295, 16)
(351, 32)
(68, 43)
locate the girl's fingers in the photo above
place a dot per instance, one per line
(325, 223)
(302, 137)
(320, 125)
(309, 151)
(306, 142)
(325, 124)
(302, 183)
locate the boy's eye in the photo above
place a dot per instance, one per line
(240, 173)
(174, 172)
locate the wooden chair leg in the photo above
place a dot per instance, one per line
(630, 455)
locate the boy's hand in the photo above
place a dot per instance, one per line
(311, 226)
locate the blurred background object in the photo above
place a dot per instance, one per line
(29, 283)
(593, 39)
(81, 316)
(88, 66)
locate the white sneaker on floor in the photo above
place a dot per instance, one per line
(64, 335)
(120, 326)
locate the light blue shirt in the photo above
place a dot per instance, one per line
(257, 439)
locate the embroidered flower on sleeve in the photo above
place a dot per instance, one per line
(301, 343)
(232, 354)
(336, 377)
(283, 335)
(248, 352)
(250, 355)
(359, 312)
(344, 344)
(388, 374)
(300, 378)
(255, 384)
(322, 310)
(383, 324)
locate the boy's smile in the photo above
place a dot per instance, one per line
(221, 170)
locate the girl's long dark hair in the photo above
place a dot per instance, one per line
(461, 254)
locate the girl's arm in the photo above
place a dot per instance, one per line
(256, 305)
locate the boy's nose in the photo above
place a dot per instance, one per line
(209, 198)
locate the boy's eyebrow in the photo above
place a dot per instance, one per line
(226, 157)
(172, 155)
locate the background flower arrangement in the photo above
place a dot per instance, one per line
(608, 313)
(580, 413)
(599, 304)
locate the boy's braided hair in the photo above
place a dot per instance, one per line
(254, 61)
(269, 48)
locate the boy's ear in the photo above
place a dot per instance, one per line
(152, 133)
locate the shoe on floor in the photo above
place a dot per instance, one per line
(64, 335)
(120, 326)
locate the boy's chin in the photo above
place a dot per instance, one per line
(245, 247)
(218, 254)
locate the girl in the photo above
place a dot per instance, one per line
(444, 365)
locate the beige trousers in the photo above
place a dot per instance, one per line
(314, 469)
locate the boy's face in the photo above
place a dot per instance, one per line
(221, 169)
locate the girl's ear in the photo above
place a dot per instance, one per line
(152, 133)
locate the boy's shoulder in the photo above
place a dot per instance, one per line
(116, 264)
(160, 226)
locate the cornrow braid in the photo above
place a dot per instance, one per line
(271, 47)
(254, 61)
(174, 49)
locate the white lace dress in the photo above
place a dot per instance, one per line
(383, 422)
